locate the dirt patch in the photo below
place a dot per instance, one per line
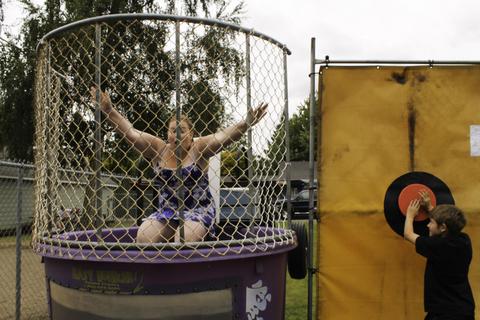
(33, 291)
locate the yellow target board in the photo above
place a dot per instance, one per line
(376, 124)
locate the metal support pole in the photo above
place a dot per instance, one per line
(18, 246)
(287, 141)
(98, 133)
(312, 177)
(140, 201)
(178, 152)
(250, 208)
(48, 153)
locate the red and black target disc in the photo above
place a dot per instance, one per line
(406, 188)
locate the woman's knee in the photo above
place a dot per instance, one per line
(193, 231)
(151, 231)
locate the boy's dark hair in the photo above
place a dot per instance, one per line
(452, 216)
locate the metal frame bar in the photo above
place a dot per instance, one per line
(97, 163)
(96, 245)
(287, 144)
(311, 178)
(47, 151)
(86, 173)
(164, 17)
(18, 246)
(329, 63)
(251, 193)
(16, 164)
(180, 194)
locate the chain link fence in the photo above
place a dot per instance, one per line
(123, 175)
(22, 293)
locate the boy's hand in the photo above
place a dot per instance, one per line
(425, 200)
(413, 207)
(412, 210)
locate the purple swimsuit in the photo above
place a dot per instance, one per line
(198, 204)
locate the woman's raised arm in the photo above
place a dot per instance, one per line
(212, 144)
(148, 145)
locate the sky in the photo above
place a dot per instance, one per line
(355, 30)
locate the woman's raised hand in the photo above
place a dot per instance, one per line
(255, 115)
(105, 102)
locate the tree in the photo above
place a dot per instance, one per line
(16, 83)
(299, 137)
(210, 60)
(299, 127)
(1, 15)
(210, 57)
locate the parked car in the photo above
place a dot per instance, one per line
(299, 205)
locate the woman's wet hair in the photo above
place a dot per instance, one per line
(184, 118)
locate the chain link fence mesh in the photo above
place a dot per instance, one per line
(23, 293)
(94, 188)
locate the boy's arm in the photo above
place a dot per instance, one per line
(412, 212)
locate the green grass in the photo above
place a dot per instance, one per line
(296, 303)
(296, 299)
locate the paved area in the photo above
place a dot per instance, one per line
(33, 292)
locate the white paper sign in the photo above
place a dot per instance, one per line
(475, 140)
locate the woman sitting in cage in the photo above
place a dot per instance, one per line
(198, 204)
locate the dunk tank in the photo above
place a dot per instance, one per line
(388, 130)
(93, 189)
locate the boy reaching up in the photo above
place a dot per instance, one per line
(447, 292)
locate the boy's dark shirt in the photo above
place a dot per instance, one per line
(447, 290)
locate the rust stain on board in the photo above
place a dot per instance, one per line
(400, 78)
(412, 120)
(420, 77)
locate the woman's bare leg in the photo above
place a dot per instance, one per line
(151, 231)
